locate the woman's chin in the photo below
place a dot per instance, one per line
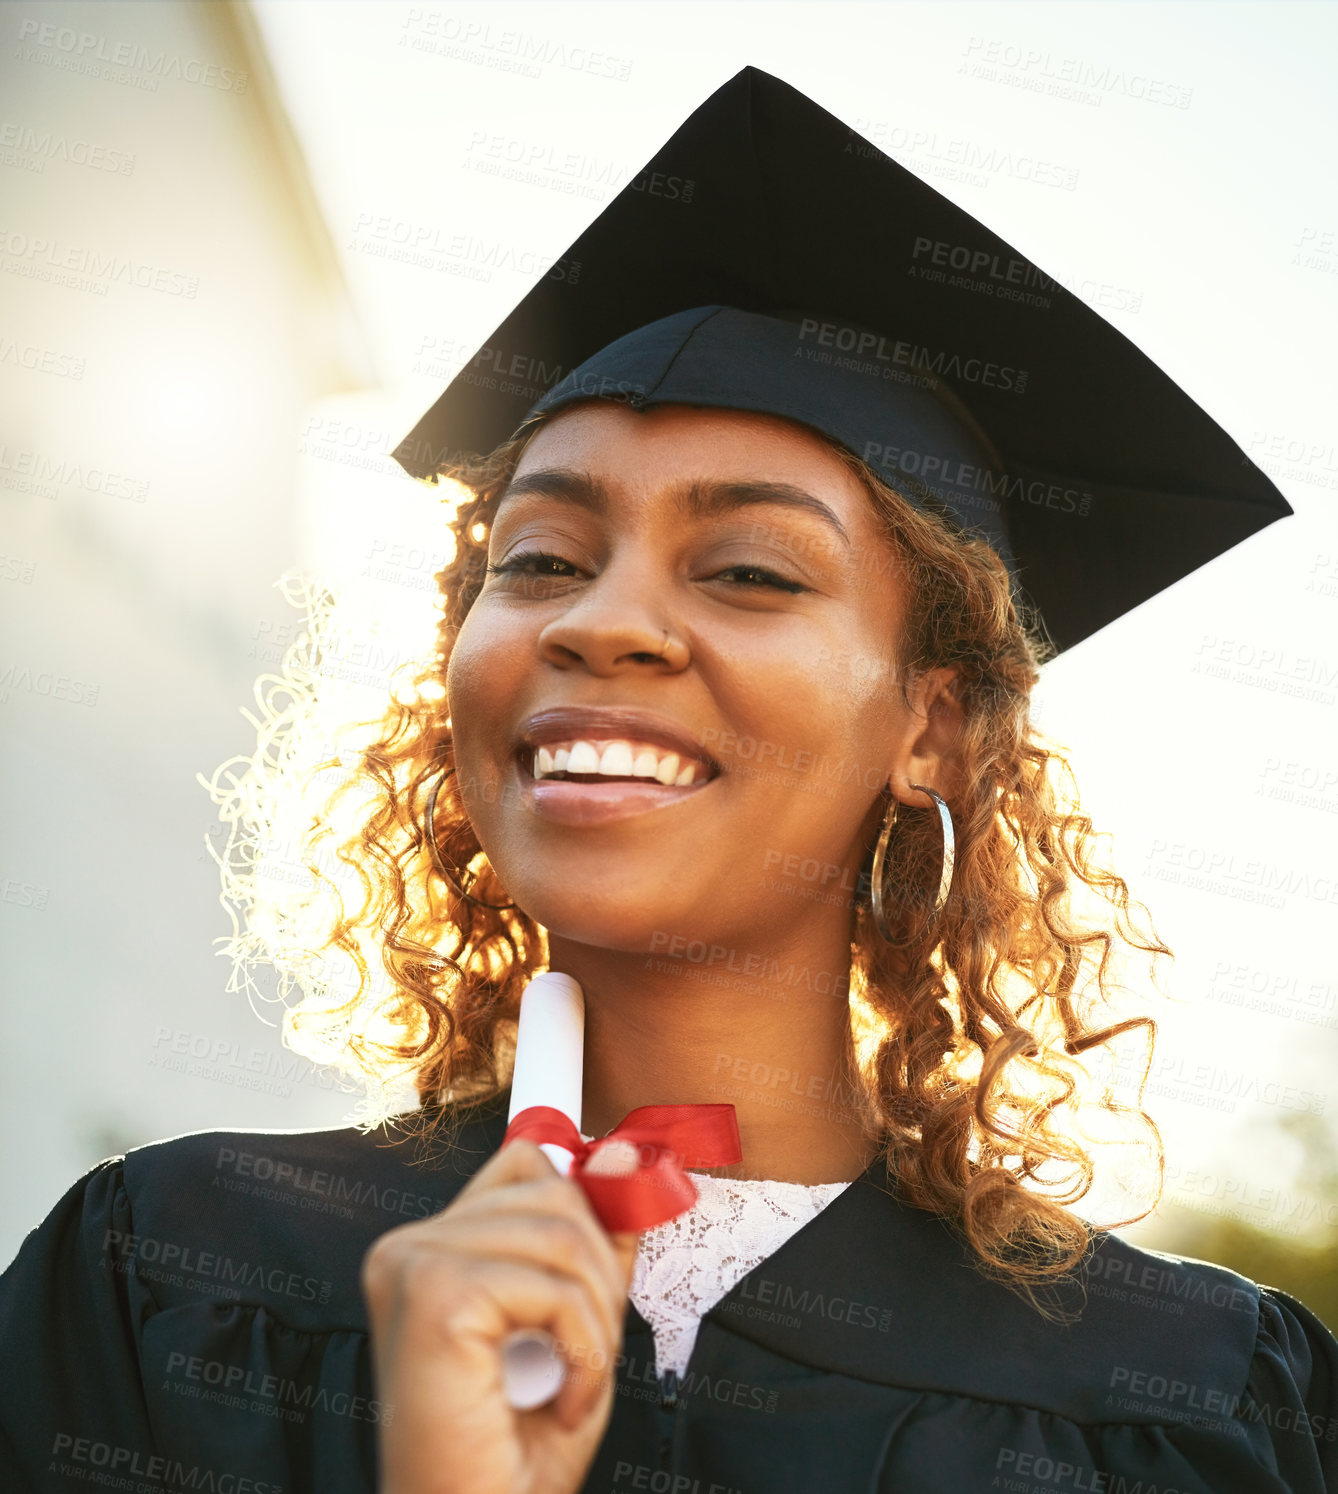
(614, 922)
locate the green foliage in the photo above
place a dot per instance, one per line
(1305, 1266)
(1306, 1270)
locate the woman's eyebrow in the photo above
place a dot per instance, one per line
(699, 499)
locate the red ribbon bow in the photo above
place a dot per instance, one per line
(640, 1181)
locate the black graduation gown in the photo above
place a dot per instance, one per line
(189, 1317)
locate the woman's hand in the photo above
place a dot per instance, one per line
(518, 1247)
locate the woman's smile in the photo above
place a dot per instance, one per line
(586, 801)
(587, 765)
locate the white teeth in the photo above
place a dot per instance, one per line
(619, 759)
(583, 759)
(616, 761)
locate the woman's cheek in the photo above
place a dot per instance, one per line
(473, 662)
(468, 704)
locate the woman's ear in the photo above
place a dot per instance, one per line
(930, 750)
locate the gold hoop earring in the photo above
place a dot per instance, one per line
(945, 876)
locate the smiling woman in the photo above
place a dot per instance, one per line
(727, 728)
(607, 602)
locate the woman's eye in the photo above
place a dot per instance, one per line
(529, 562)
(767, 578)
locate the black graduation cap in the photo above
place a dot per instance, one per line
(770, 258)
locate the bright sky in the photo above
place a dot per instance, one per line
(1195, 181)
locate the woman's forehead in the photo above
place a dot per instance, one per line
(665, 445)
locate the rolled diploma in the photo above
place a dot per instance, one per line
(550, 1055)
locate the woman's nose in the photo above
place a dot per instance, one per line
(614, 625)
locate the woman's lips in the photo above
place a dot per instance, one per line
(566, 801)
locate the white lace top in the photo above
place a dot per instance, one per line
(686, 1265)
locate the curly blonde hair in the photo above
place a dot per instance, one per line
(978, 1030)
